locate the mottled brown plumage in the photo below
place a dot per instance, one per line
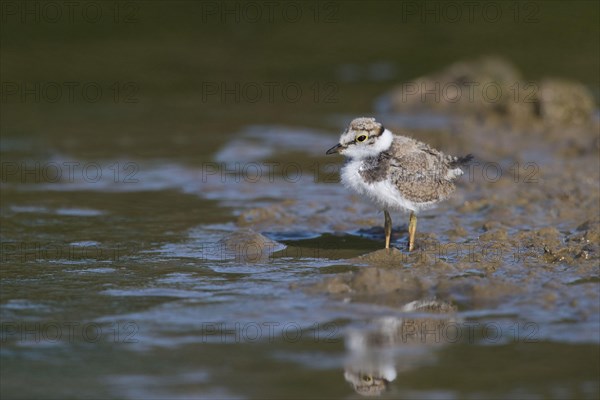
(366, 125)
(420, 173)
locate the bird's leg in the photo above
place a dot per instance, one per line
(387, 228)
(412, 229)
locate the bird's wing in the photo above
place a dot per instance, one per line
(421, 165)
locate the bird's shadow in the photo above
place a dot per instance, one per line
(339, 241)
(340, 245)
(378, 233)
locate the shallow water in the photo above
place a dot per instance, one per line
(177, 248)
(157, 288)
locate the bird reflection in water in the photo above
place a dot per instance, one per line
(389, 345)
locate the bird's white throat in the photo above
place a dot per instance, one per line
(383, 143)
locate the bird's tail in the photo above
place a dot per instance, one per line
(459, 161)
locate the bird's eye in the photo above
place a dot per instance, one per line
(361, 138)
(367, 378)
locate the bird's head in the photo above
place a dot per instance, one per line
(364, 138)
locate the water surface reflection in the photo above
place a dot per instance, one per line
(387, 346)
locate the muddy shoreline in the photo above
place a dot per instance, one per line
(523, 227)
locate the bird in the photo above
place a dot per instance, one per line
(396, 173)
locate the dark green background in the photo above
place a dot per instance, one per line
(168, 50)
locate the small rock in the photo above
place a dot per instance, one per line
(249, 246)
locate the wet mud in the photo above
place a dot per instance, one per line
(263, 231)
(522, 230)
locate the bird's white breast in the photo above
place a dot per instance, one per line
(383, 192)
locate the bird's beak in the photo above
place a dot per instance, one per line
(335, 149)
